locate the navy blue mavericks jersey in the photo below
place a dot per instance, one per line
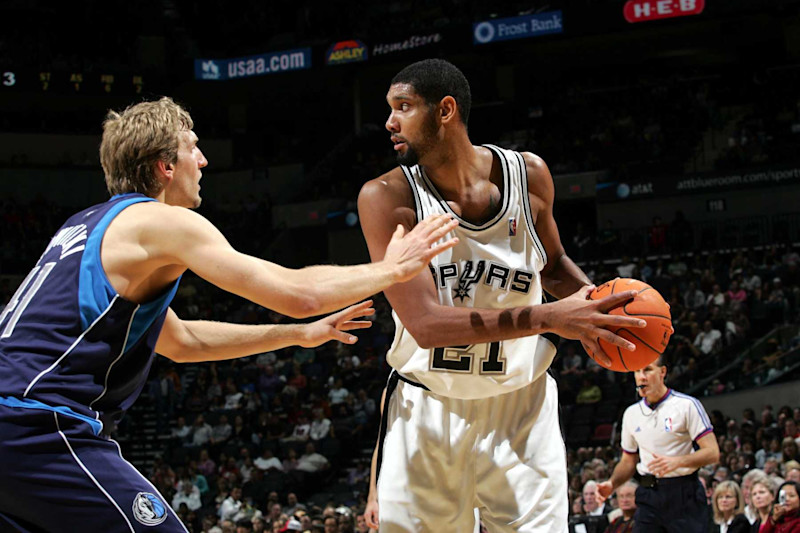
(68, 341)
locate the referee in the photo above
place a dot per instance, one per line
(666, 437)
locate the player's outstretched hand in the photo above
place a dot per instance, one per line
(604, 491)
(409, 253)
(371, 514)
(579, 318)
(334, 327)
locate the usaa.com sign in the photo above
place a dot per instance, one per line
(346, 52)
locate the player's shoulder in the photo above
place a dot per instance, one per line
(389, 189)
(160, 218)
(540, 181)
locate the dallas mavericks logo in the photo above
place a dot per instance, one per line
(148, 509)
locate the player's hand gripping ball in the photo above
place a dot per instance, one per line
(650, 341)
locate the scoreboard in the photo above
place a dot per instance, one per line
(71, 82)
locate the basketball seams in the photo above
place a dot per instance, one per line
(641, 339)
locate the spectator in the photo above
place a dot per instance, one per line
(292, 505)
(785, 515)
(201, 432)
(626, 500)
(790, 429)
(331, 524)
(761, 499)
(233, 396)
(708, 340)
(301, 431)
(338, 393)
(593, 518)
(694, 298)
(717, 297)
(365, 404)
(589, 393)
(626, 268)
(291, 461)
(312, 461)
(256, 488)
(231, 505)
(736, 295)
(791, 471)
(747, 486)
(205, 465)
(728, 508)
(221, 432)
(268, 461)
(182, 431)
(789, 450)
(320, 426)
(189, 495)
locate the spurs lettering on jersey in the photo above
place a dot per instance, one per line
(490, 267)
(461, 277)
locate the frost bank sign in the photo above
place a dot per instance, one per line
(489, 31)
(258, 65)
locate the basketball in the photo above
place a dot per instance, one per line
(650, 341)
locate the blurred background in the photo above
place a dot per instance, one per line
(671, 128)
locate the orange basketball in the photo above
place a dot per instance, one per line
(650, 341)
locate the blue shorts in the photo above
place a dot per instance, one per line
(57, 475)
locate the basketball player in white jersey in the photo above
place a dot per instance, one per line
(471, 417)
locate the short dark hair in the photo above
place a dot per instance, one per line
(433, 79)
(663, 360)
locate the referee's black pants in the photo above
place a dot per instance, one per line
(675, 505)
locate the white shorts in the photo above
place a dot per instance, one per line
(442, 457)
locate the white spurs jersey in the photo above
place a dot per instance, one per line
(495, 265)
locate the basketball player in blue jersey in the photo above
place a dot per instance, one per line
(78, 337)
(471, 415)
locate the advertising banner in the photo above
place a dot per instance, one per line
(523, 27)
(257, 65)
(405, 44)
(645, 10)
(346, 52)
(659, 187)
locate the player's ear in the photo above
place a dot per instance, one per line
(164, 171)
(448, 109)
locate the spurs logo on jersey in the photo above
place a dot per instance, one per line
(493, 275)
(490, 267)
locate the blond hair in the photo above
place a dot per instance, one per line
(137, 138)
(724, 487)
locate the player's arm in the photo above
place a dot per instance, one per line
(707, 454)
(371, 513)
(622, 473)
(561, 277)
(193, 242)
(192, 341)
(383, 204)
